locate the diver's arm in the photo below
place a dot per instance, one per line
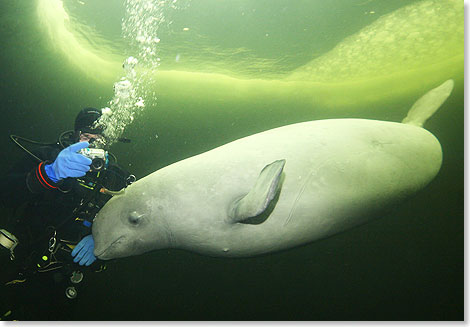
(19, 187)
(38, 181)
(23, 182)
(49, 175)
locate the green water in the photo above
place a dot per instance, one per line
(244, 67)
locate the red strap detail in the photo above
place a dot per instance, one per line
(41, 177)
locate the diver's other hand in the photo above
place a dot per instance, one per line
(83, 252)
(69, 163)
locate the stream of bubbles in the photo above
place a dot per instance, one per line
(140, 27)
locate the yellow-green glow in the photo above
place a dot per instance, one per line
(411, 38)
(100, 64)
(404, 53)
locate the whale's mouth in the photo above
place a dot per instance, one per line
(102, 254)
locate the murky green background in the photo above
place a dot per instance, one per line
(405, 266)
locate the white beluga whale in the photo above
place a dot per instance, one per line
(276, 189)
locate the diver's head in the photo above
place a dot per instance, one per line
(86, 125)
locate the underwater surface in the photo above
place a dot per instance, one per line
(212, 71)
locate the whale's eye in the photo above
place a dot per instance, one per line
(134, 218)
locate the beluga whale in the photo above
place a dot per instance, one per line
(277, 189)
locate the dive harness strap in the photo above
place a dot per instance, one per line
(49, 260)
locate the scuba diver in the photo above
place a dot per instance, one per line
(53, 194)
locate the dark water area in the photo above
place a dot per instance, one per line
(407, 265)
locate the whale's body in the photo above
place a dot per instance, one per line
(273, 190)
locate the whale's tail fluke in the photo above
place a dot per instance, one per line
(428, 104)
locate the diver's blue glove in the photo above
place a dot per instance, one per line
(83, 251)
(69, 163)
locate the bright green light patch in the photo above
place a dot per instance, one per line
(401, 54)
(98, 63)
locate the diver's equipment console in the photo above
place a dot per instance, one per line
(99, 158)
(8, 241)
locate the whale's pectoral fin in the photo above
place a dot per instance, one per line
(260, 196)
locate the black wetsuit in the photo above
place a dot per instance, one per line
(42, 213)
